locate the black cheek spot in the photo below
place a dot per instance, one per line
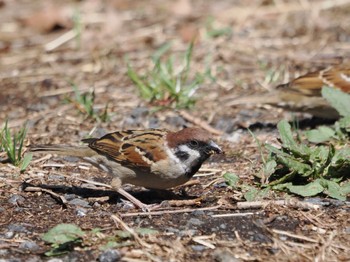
(182, 155)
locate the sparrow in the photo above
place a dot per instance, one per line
(151, 158)
(303, 94)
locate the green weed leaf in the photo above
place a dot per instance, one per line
(311, 189)
(231, 179)
(63, 233)
(320, 135)
(338, 99)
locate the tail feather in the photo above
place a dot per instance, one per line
(78, 151)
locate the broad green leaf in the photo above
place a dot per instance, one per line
(332, 189)
(288, 141)
(270, 167)
(295, 165)
(63, 233)
(311, 189)
(320, 135)
(345, 188)
(338, 99)
(231, 179)
(345, 123)
(251, 194)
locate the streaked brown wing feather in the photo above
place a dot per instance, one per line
(308, 84)
(338, 77)
(131, 147)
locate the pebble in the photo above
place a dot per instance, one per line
(153, 122)
(227, 124)
(55, 260)
(110, 255)
(139, 112)
(198, 248)
(56, 177)
(16, 199)
(176, 121)
(79, 202)
(69, 197)
(221, 255)
(195, 221)
(198, 213)
(3, 252)
(17, 228)
(81, 212)
(29, 246)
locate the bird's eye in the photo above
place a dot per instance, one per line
(194, 143)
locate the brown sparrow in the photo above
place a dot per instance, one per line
(151, 158)
(303, 94)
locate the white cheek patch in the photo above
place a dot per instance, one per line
(345, 77)
(193, 154)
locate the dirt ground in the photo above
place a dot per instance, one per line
(249, 47)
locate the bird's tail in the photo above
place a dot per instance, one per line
(78, 151)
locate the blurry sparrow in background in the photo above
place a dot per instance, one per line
(152, 158)
(303, 94)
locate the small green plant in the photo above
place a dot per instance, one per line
(85, 102)
(65, 237)
(307, 170)
(12, 144)
(165, 85)
(250, 192)
(341, 129)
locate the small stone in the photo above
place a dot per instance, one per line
(226, 124)
(153, 122)
(3, 252)
(139, 112)
(176, 121)
(221, 255)
(195, 222)
(198, 213)
(17, 228)
(198, 248)
(16, 199)
(81, 212)
(55, 177)
(172, 230)
(110, 255)
(69, 197)
(79, 202)
(29, 245)
(55, 260)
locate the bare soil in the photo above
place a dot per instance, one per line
(199, 221)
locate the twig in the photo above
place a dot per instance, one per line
(125, 227)
(288, 202)
(235, 214)
(199, 122)
(39, 189)
(202, 240)
(162, 212)
(60, 40)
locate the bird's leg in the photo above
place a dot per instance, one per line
(116, 185)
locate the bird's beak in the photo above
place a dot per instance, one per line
(213, 148)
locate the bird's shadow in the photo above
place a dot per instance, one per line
(146, 196)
